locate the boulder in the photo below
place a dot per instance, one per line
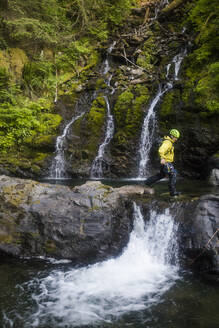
(84, 224)
(200, 237)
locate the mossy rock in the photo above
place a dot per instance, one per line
(169, 104)
(96, 116)
(129, 113)
(45, 142)
(13, 59)
(50, 247)
(89, 131)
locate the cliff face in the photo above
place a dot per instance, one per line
(51, 69)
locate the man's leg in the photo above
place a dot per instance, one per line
(156, 177)
(172, 180)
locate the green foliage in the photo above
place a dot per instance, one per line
(124, 101)
(4, 84)
(75, 54)
(39, 75)
(98, 17)
(205, 17)
(207, 89)
(89, 129)
(96, 115)
(167, 104)
(20, 123)
(8, 89)
(128, 112)
(146, 58)
(30, 31)
(202, 85)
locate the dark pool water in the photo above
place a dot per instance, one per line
(189, 303)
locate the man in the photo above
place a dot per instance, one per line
(166, 153)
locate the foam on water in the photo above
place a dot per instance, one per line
(104, 291)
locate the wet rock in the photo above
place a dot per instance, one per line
(87, 223)
(214, 177)
(139, 81)
(201, 233)
(137, 71)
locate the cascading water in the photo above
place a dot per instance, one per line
(105, 291)
(97, 169)
(97, 166)
(58, 167)
(149, 124)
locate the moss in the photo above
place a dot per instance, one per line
(14, 60)
(18, 59)
(4, 60)
(10, 238)
(124, 101)
(167, 107)
(100, 84)
(44, 142)
(6, 239)
(129, 112)
(201, 88)
(17, 196)
(96, 116)
(90, 130)
(39, 158)
(50, 247)
(147, 57)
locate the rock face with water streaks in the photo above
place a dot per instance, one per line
(86, 223)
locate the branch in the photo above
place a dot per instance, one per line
(172, 6)
(143, 69)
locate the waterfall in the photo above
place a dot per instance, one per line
(97, 169)
(105, 291)
(97, 166)
(149, 124)
(58, 167)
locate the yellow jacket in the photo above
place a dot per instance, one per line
(166, 150)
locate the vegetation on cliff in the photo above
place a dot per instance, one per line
(203, 62)
(47, 47)
(52, 50)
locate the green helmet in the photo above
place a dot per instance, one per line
(175, 133)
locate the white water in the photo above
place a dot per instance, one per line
(58, 167)
(149, 124)
(97, 166)
(103, 292)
